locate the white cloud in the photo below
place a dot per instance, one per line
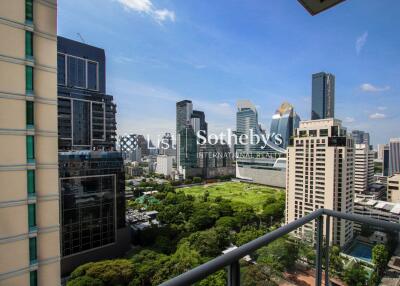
(367, 87)
(147, 7)
(349, 120)
(382, 108)
(377, 116)
(361, 41)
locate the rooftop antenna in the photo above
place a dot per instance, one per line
(80, 36)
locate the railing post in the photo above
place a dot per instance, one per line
(234, 274)
(327, 238)
(318, 265)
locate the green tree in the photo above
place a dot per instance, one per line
(380, 257)
(335, 261)
(109, 272)
(355, 275)
(227, 221)
(85, 281)
(145, 264)
(257, 275)
(247, 234)
(280, 254)
(211, 242)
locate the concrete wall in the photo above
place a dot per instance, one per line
(274, 178)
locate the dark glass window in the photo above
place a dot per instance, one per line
(31, 182)
(61, 69)
(33, 278)
(323, 132)
(29, 114)
(32, 216)
(30, 147)
(28, 44)
(29, 10)
(88, 213)
(76, 72)
(29, 78)
(32, 250)
(92, 75)
(81, 123)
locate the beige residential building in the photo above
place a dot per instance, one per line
(29, 197)
(393, 190)
(363, 169)
(320, 175)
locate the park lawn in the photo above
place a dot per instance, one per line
(252, 194)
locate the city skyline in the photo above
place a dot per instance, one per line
(173, 68)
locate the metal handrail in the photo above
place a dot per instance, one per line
(231, 259)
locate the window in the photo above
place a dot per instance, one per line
(32, 216)
(31, 182)
(92, 75)
(61, 69)
(29, 79)
(81, 123)
(29, 10)
(32, 250)
(28, 44)
(323, 133)
(29, 114)
(30, 148)
(33, 278)
(76, 72)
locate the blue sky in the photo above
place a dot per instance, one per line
(217, 52)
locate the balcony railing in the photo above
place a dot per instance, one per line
(231, 259)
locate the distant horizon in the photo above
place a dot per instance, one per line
(217, 52)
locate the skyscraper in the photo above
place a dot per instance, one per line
(385, 160)
(320, 175)
(284, 122)
(91, 171)
(188, 123)
(323, 96)
(247, 123)
(394, 156)
(29, 196)
(360, 137)
(363, 169)
(86, 114)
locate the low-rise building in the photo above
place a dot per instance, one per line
(393, 193)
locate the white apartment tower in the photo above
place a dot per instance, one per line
(393, 190)
(363, 169)
(320, 175)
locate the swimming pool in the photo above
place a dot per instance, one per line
(361, 251)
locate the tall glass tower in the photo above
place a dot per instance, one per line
(323, 96)
(284, 122)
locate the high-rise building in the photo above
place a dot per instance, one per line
(261, 162)
(166, 146)
(381, 147)
(394, 156)
(323, 96)
(363, 169)
(393, 190)
(385, 160)
(284, 123)
(29, 196)
(164, 165)
(188, 123)
(320, 174)
(91, 172)
(360, 137)
(86, 114)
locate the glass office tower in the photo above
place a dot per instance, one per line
(323, 96)
(284, 123)
(91, 173)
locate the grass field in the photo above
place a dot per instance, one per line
(254, 195)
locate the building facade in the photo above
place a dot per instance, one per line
(323, 96)
(394, 156)
(284, 123)
(320, 174)
(86, 114)
(393, 188)
(363, 169)
(29, 197)
(164, 165)
(91, 172)
(360, 137)
(92, 186)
